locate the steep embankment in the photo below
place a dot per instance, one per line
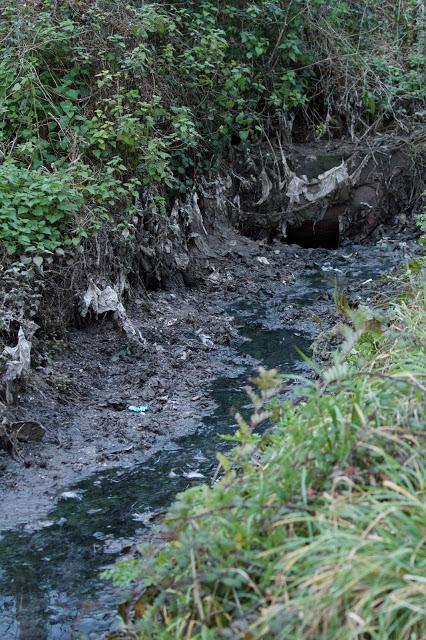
(316, 527)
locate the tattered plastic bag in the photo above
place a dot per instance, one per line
(109, 299)
(318, 188)
(18, 359)
(187, 226)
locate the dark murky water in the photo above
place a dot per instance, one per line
(49, 584)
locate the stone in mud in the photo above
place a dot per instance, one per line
(27, 431)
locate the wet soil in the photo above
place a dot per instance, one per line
(82, 393)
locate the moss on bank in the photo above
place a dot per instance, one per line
(316, 528)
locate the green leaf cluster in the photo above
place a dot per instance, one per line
(43, 212)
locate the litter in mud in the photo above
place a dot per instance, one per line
(206, 340)
(193, 475)
(18, 364)
(327, 267)
(139, 408)
(70, 495)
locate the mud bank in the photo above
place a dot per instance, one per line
(82, 393)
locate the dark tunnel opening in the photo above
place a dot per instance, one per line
(313, 235)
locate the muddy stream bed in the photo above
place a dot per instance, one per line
(49, 571)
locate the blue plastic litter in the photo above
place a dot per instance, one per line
(139, 408)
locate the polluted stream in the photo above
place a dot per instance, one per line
(50, 587)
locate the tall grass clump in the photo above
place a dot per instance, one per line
(317, 528)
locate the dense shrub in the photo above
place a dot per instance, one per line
(41, 211)
(34, 206)
(169, 89)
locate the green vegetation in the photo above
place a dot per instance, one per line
(421, 222)
(316, 529)
(42, 210)
(107, 104)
